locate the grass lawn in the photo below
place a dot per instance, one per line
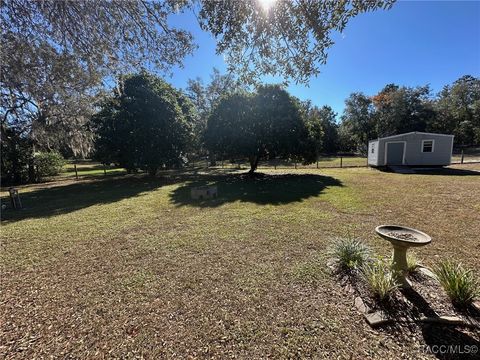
(128, 266)
(89, 169)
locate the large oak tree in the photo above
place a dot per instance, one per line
(146, 124)
(56, 55)
(268, 123)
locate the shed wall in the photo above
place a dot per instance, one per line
(373, 156)
(414, 156)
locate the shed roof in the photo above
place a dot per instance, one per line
(411, 132)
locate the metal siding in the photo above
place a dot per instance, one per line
(441, 154)
(396, 138)
(373, 158)
(413, 149)
(381, 152)
(395, 152)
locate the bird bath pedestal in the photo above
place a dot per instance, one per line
(402, 238)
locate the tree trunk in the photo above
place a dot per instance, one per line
(33, 175)
(152, 171)
(212, 160)
(253, 163)
(16, 175)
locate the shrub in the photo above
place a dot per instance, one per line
(459, 283)
(412, 263)
(350, 253)
(48, 164)
(379, 278)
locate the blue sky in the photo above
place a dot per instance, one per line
(414, 43)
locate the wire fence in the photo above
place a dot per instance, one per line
(91, 168)
(331, 161)
(322, 162)
(467, 155)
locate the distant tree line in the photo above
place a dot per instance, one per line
(225, 119)
(398, 109)
(146, 124)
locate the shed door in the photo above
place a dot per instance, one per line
(395, 153)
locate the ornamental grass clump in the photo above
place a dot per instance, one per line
(379, 279)
(350, 254)
(459, 283)
(412, 263)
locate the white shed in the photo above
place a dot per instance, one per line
(411, 149)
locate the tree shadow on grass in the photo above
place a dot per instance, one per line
(62, 199)
(442, 341)
(259, 189)
(442, 171)
(447, 172)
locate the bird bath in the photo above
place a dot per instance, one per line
(402, 238)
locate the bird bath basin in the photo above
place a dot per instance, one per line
(402, 238)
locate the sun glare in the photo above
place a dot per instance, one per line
(266, 4)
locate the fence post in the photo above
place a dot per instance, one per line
(15, 198)
(461, 161)
(341, 161)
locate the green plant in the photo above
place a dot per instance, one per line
(379, 278)
(350, 253)
(412, 263)
(48, 164)
(143, 137)
(459, 283)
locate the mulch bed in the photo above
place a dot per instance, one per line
(405, 315)
(425, 299)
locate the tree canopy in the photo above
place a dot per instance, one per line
(289, 38)
(47, 96)
(146, 125)
(205, 97)
(399, 109)
(358, 123)
(268, 122)
(56, 56)
(323, 128)
(458, 110)
(113, 35)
